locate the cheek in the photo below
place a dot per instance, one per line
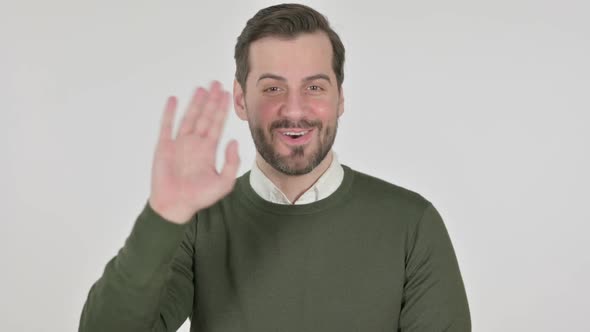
(266, 113)
(323, 109)
(261, 111)
(267, 106)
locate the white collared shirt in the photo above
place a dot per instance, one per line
(327, 184)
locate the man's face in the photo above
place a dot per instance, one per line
(291, 90)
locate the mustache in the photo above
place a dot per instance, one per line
(301, 124)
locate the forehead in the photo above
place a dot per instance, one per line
(306, 54)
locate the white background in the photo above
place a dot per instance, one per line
(480, 106)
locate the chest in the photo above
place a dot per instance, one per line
(326, 274)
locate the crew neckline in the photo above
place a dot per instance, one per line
(250, 197)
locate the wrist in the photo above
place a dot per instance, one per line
(173, 214)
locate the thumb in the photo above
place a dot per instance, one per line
(231, 165)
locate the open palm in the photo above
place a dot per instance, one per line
(184, 176)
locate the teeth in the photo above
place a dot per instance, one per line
(295, 134)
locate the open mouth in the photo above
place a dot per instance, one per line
(295, 136)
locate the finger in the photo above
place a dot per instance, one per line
(231, 165)
(188, 121)
(219, 119)
(167, 122)
(203, 121)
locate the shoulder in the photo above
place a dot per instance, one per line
(380, 191)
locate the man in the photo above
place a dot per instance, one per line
(300, 242)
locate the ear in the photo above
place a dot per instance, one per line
(341, 102)
(239, 101)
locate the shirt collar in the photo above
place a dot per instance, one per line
(325, 185)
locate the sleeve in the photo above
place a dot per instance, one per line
(149, 284)
(434, 294)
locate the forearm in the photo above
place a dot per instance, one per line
(127, 296)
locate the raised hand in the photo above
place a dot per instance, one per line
(184, 177)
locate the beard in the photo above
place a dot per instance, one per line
(301, 159)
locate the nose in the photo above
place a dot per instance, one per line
(294, 106)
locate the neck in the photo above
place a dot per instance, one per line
(293, 186)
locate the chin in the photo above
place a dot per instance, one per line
(297, 164)
(290, 160)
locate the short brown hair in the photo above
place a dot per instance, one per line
(286, 21)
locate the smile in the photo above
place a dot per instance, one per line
(296, 137)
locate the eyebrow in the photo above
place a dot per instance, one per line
(306, 79)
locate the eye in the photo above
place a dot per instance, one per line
(315, 88)
(272, 89)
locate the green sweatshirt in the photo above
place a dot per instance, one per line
(372, 256)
